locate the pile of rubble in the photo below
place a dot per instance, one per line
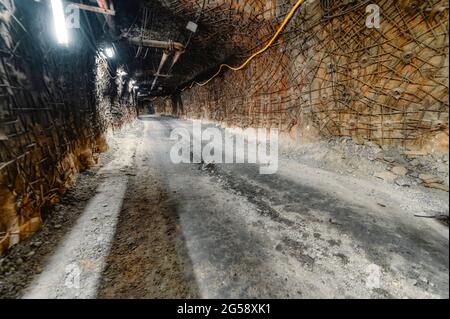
(415, 168)
(392, 164)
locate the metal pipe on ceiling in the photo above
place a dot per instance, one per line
(167, 45)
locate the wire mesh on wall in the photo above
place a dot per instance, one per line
(50, 127)
(331, 73)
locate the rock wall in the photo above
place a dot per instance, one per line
(329, 74)
(52, 119)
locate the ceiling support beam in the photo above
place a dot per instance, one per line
(161, 65)
(166, 45)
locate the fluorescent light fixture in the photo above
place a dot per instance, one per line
(60, 22)
(109, 52)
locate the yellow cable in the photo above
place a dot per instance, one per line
(268, 45)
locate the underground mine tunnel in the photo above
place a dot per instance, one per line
(224, 149)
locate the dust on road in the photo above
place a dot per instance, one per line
(225, 231)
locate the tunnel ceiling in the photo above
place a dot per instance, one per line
(226, 31)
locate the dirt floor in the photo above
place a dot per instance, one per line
(147, 257)
(139, 226)
(26, 260)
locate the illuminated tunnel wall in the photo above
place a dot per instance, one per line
(329, 74)
(52, 119)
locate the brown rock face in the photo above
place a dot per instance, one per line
(430, 179)
(320, 76)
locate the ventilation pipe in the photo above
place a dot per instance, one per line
(167, 45)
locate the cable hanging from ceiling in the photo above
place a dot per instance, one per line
(262, 50)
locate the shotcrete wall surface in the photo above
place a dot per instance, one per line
(331, 74)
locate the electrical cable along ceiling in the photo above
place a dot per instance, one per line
(329, 73)
(208, 32)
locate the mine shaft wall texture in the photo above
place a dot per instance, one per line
(330, 75)
(51, 126)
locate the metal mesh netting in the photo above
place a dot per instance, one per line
(329, 72)
(50, 125)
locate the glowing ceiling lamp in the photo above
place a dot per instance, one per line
(109, 52)
(60, 22)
